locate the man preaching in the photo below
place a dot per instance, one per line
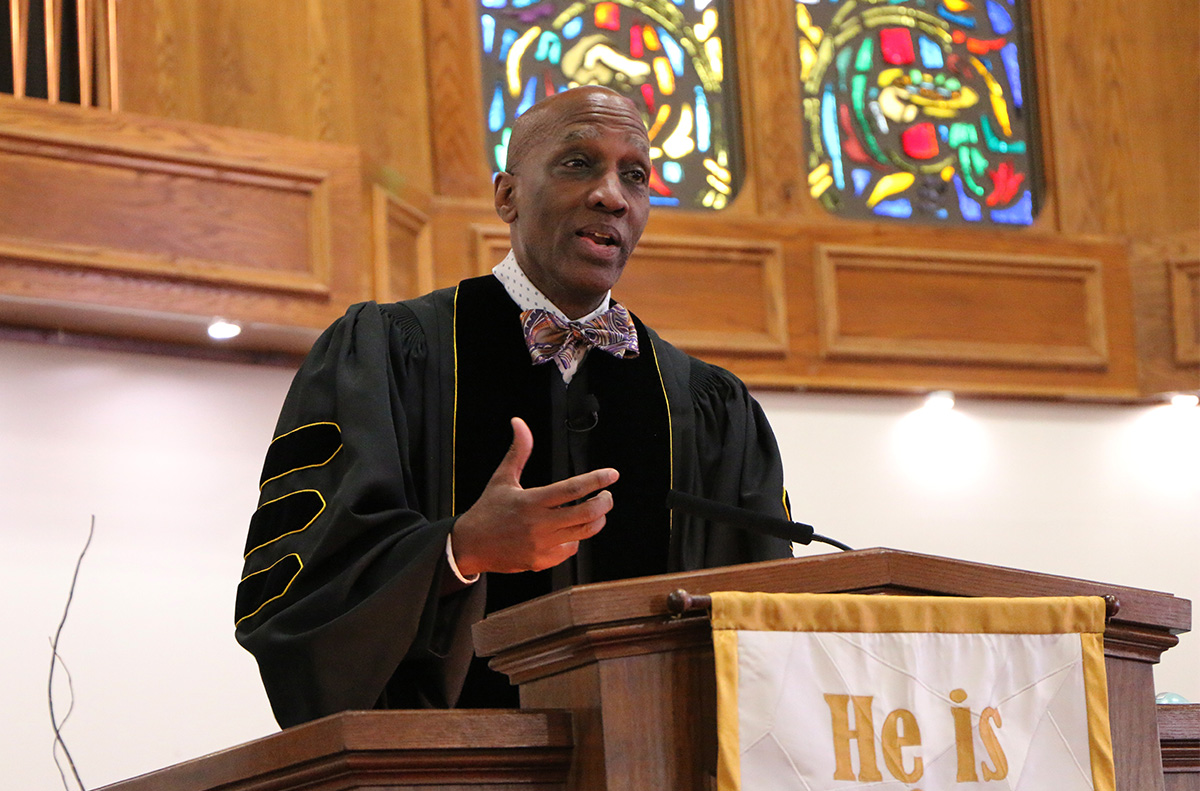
(448, 456)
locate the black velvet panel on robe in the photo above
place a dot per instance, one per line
(496, 380)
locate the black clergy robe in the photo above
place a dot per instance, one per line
(392, 427)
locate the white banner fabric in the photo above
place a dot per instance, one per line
(891, 693)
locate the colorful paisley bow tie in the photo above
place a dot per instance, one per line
(550, 338)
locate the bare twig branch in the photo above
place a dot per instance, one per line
(56, 659)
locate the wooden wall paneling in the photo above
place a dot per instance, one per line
(455, 100)
(158, 60)
(491, 244)
(956, 307)
(379, 97)
(677, 281)
(1097, 296)
(667, 277)
(772, 132)
(223, 62)
(1096, 362)
(1125, 114)
(1082, 56)
(344, 71)
(144, 213)
(1039, 316)
(454, 225)
(1159, 142)
(1167, 305)
(166, 219)
(403, 248)
(1047, 220)
(400, 81)
(1185, 300)
(1080, 364)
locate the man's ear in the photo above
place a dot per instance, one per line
(504, 189)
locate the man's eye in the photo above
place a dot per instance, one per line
(637, 176)
(575, 162)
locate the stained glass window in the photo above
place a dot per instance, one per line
(920, 109)
(670, 56)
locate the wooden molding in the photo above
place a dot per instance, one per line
(403, 252)
(415, 112)
(1179, 732)
(1185, 309)
(128, 226)
(1165, 270)
(185, 217)
(490, 243)
(960, 307)
(1150, 618)
(484, 750)
(719, 295)
(460, 167)
(672, 282)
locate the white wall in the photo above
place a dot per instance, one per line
(166, 454)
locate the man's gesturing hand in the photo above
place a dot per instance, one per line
(512, 529)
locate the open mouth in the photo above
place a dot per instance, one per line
(600, 238)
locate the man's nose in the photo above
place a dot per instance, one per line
(608, 194)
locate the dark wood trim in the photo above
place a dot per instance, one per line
(395, 749)
(1179, 734)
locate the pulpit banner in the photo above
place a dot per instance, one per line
(837, 692)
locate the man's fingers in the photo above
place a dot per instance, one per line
(560, 553)
(583, 531)
(570, 537)
(513, 463)
(576, 488)
(572, 518)
(513, 529)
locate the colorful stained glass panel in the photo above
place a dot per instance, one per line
(669, 56)
(920, 110)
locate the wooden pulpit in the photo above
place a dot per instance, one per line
(640, 679)
(618, 691)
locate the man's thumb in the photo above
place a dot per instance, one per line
(513, 463)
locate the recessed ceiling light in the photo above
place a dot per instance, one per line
(940, 399)
(222, 330)
(1185, 399)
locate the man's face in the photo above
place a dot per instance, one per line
(579, 198)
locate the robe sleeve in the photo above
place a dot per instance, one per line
(338, 601)
(734, 460)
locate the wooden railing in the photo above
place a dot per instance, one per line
(72, 59)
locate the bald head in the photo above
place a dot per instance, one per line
(539, 123)
(576, 193)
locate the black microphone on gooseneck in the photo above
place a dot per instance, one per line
(796, 532)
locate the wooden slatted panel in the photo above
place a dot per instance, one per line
(18, 11)
(85, 33)
(92, 43)
(52, 27)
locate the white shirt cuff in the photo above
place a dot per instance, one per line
(454, 566)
